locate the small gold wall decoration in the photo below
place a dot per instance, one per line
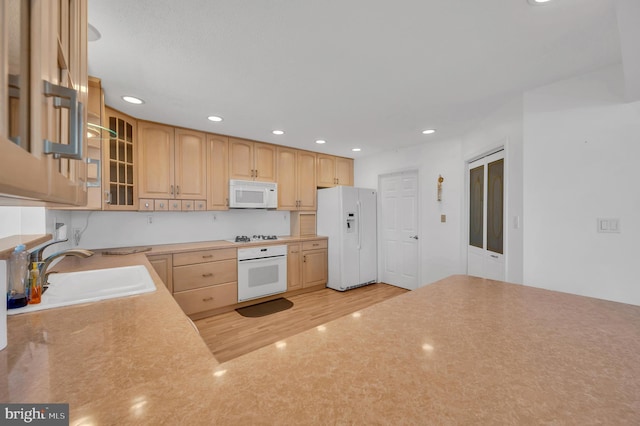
(440, 180)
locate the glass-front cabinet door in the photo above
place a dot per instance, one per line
(43, 89)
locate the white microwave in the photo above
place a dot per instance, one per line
(248, 194)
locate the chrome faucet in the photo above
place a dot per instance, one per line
(44, 275)
(36, 255)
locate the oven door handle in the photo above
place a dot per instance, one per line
(262, 259)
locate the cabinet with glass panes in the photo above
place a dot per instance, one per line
(119, 171)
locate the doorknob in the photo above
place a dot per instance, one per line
(415, 237)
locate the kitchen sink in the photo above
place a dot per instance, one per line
(73, 288)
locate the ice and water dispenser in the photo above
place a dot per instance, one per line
(351, 222)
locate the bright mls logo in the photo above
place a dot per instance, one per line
(35, 414)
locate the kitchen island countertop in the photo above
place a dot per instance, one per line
(463, 350)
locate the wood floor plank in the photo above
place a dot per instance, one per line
(231, 335)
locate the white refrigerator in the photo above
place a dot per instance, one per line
(347, 215)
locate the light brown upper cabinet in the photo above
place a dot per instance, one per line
(172, 163)
(333, 171)
(296, 179)
(43, 90)
(217, 172)
(119, 162)
(249, 160)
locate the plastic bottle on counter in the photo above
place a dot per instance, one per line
(35, 290)
(17, 295)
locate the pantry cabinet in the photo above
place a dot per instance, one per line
(172, 165)
(217, 172)
(43, 90)
(249, 160)
(333, 171)
(296, 179)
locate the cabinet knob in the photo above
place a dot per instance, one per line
(146, 205)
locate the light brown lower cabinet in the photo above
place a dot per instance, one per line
(294, 272)
(306, 264)
(314, 263)
(163, 264)
(205, 279)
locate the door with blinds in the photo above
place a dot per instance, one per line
(486, 248)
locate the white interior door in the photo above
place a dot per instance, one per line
(486, 201)
(399, 229)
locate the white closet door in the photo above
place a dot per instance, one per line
(486, 217)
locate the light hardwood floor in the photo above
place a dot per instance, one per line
(230, 335)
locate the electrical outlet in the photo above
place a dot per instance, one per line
(77, 234)
(150, 220)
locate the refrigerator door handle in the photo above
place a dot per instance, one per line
(359, 219)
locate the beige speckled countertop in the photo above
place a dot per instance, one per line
(203, 245)
(460, 351)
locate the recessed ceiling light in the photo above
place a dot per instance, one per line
(214, 118)
(538, 2)
(321, 141)
(428, 131)
(356, 149)
(133, 100)
(278, 132)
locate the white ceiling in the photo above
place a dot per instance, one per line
(359, 73)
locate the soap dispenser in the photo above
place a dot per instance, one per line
(35, 286)
(17, 296)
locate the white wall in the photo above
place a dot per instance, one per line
(439, 242)
(581, 149)
(21, 220)
(443, 245)
(121, 229)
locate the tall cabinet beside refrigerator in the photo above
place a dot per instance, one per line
(347, 215)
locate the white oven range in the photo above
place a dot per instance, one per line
(262, 271)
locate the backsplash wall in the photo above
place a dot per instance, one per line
(123, 229)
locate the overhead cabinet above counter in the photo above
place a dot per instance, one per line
(147, 166)
(172, 168)
(43, 93)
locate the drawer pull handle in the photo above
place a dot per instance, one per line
(207, 256)
(208, 299)
(207, 275)
(316, 244)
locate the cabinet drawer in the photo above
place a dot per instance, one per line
(161, 205)
(145, 204)
(313, 245)
(205, 274)
(191, 257)
(207, 298)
